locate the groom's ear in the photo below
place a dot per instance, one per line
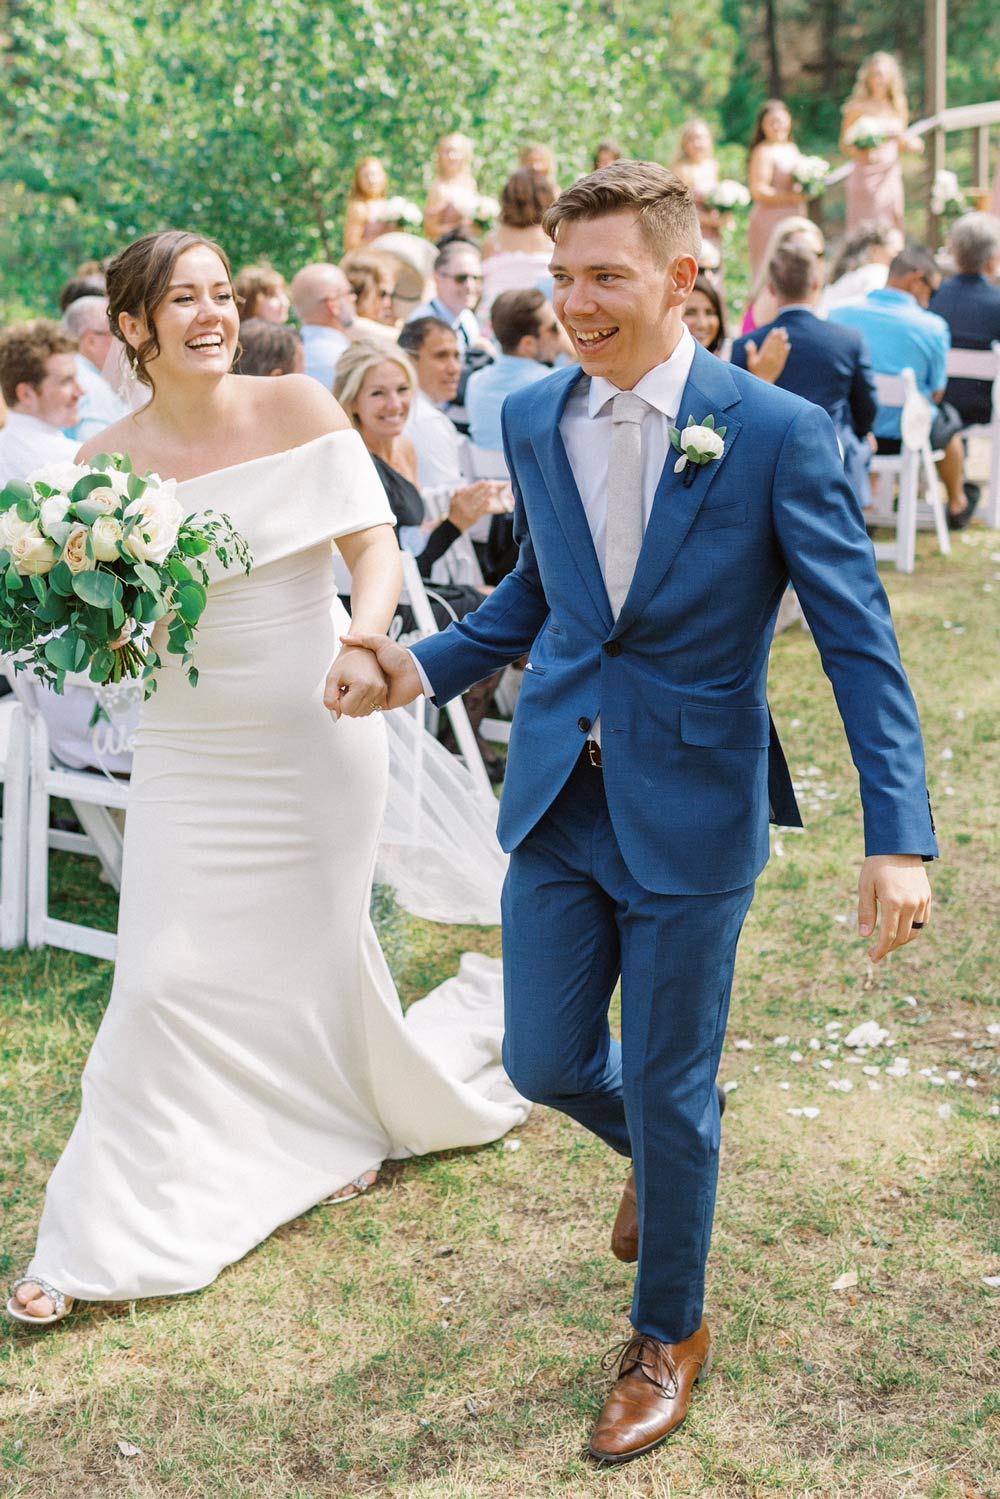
(682, 277)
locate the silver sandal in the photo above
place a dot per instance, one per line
(360, 1185)
(63, 1304)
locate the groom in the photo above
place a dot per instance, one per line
(643, 762)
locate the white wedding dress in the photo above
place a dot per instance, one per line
(254, 1057)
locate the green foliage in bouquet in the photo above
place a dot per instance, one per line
(89, 556)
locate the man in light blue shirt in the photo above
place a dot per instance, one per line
(324, 304)
(530, 338)
(902, 334)
(458, 278)
(86, 320)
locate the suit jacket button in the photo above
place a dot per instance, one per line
(613, 648)
(583, 724)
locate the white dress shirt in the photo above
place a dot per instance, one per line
(99, 406)
(27, 443)
(438, 445)
(585, 428)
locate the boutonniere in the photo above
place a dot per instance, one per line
(697, 444)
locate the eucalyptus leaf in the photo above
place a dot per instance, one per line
(13, 492)
(27, 510)
(61, 579)
(87, 511)
(84, 486)
(96, 588)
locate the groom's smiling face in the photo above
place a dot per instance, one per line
(620, 304)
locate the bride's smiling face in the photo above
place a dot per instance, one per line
(197, 323)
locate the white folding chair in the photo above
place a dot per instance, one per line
(415, 593)
(912, 471)
(984, 364)
(14, 824)
(92, 796)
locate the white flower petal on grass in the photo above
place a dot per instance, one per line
(970, 1082)
(875, 1087)
(900, 1067)
(908, 999)
(834, 1025)
(803, 1113)
(944, 1110)
(841, 1084)
(826, 1062)
(784, 1087)
(731, 1086)
(512, 1145)
(953, 1075)
(994, 1109)
(127, 1449)
(991, 1280)
(871, 1071)
(795, 1056)
(993, 1029)
(814, 1043)
(947, 754)
(845, 1282)
(781, 1040)
(868, 1033)
(743, 1045)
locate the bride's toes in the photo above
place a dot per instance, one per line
(34, 1300)
(355, 1188)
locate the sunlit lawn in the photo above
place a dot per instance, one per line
(441, 1337)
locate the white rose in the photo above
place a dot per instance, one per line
(105, 499)
(704, 441)
(33, 554)
(53, 511)
(13, 528)
(105, 534)
(160, 516)
(75, 551)
(59, 475)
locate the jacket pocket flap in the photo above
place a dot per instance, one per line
(725, 728)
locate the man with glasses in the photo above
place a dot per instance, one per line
(458, 277)
(324, 304)
(902, 334)
(530, 339)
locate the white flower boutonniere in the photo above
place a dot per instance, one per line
(697, 444)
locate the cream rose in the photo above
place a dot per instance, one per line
(160, 516)
(702, 442)
(105, 534)
(75, 551)
(32, 555)
(58, 475)
(12, 528)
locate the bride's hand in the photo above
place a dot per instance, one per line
(356, 686)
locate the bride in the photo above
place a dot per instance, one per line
(254, 1059)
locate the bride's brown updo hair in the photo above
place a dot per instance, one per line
(138, 280)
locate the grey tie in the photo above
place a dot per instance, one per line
(624, 529)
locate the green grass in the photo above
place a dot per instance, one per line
(440, 1338)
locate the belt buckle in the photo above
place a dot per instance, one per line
(594, 754)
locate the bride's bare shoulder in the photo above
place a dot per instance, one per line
(296, 408)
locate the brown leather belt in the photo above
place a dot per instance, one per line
(592, 754)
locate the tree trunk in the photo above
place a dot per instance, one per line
(774, 82)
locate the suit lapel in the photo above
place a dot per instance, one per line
(709, 388)
(553, 460)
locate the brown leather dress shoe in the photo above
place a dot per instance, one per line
(652, 1394)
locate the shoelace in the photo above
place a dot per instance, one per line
(647, 1355)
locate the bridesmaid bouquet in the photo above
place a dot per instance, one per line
(728, 196)
(810, 175)
(403, 213)
(868, 133)
(91, 553)
(485, 212)
(947, 197)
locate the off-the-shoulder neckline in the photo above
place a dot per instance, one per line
(232, 468)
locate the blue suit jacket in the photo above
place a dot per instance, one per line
(829, 365)
(970, 305)
(691, 761)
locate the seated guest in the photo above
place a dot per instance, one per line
(376, 385)
(606, 153)
(705, 316)
(261, 293)
(86, 321)
(373, 282)
(969, 302)
(433, 350)
(92, 285)
(902, 334)
(826, 363)
(517, 252)
(458, 281)
(267, 348)
(530, 338)
(861, 265)
(324, 304)
(40, 386)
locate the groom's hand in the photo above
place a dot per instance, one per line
(355, 686)
(897, 886)
(397, 665)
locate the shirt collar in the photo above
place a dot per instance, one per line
(662, 386)
(894, 294)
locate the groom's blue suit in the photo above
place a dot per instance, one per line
(648, 870)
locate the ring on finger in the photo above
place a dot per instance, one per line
(917, 926)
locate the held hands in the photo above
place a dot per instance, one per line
(898, 885)
(355, 685)
(393, 664)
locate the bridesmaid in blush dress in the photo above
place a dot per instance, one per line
(696, 165)
(254, 1058)
(878, 104)
(773, 159)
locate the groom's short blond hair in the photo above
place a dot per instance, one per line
(666, 208)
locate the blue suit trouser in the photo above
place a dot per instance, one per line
(574, 920)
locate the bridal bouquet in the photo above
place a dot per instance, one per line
(404, 213)
(728, 196)
(810, 175)
(946, 195)
(89, 554)
(868, 133)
